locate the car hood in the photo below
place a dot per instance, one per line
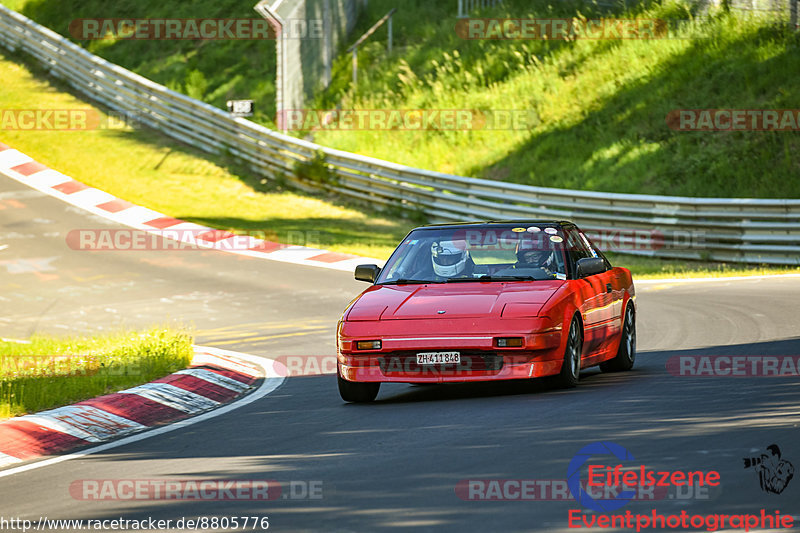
(453, 300)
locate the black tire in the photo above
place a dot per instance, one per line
(571, 367)
(357, 392)
(626, 355)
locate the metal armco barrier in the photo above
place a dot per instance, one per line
(732, 229)
(465, 7)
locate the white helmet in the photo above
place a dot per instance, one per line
(449, 258)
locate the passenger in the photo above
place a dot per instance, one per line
(535, 253)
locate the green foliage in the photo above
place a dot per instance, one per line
(214, 70)
(415, 214)
(196, 85)
(46, 372)
(602, 104)
(150, 169)
(316, 170)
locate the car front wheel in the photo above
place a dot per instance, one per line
(626, 354)
(571, 368)
(354, 392)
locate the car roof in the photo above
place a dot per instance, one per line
(490, 223)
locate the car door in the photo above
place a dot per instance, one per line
(596, 292)
(615, 282)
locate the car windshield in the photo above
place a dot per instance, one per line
(478, 253)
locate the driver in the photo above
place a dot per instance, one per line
(451, 258)
(534, 253)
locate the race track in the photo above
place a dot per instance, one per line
(393, 465)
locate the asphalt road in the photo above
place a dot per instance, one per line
(393, 465)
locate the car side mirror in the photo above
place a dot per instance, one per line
(589, 266)
(367, 273)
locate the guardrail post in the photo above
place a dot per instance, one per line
(390, 32)
(355, 66)
(354, 49)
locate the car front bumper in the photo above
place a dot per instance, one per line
(481, 360)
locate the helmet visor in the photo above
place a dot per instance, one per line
(447, 258)
(448, 253)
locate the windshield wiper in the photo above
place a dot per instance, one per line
(492, 278)
(403, 281)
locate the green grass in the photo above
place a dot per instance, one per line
(602, 104)
(151, 170)
(46, 372)
(654, 268)
(215, 71)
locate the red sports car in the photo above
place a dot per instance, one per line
(487, 301)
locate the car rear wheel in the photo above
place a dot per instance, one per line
(357, 392)
(626, 354)
(571, 368)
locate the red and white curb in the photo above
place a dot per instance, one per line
(216, 377)
(24, 169)
(20, 167)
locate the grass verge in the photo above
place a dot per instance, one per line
(150, 169)
(211, 70)
(602, 104)
(654, 268)
(46, 372)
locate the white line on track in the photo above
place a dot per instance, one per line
(272, 381)
(138, 216)
(721, 278)
(8, 460)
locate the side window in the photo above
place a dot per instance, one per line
(577, 248)
(596, 251)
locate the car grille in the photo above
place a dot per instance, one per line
(471, 360)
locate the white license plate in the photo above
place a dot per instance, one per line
(438, 358)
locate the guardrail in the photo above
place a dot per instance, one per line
(465, 7)
(738, 230)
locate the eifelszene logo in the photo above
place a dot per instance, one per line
(774, 473)
(574, 476)
(627, 478)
